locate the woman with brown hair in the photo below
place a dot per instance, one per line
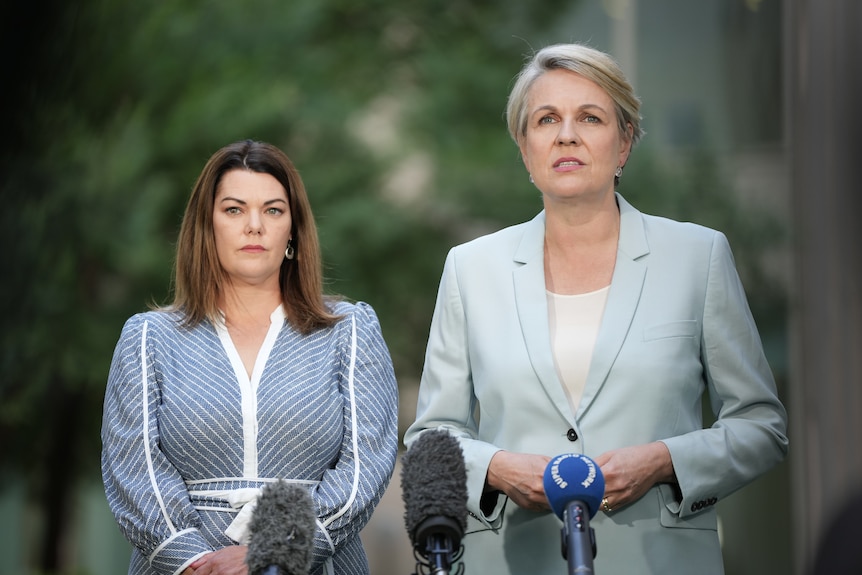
(250, 375)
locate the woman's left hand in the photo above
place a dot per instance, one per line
(226, 561)
(630, 472)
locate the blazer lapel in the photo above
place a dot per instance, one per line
(532, 304)
(623, 296)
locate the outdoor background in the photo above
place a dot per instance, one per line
(393, 113)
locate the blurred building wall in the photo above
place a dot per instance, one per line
(824, 75)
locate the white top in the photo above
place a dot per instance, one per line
(574, 321)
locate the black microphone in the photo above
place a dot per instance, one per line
(574, 486)
(281, 531)
(434, 489)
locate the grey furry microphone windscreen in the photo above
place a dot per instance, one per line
(281, 531)
(434, 485)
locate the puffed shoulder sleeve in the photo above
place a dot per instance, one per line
(349, 492)
(144, 490)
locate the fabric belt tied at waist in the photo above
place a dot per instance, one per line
(245, 500)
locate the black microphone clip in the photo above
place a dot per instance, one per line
(442, 546)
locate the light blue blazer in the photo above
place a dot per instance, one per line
(676, 325)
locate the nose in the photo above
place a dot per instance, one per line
(568, 133)
(254, 224)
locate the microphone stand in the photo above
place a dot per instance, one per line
(578, 539)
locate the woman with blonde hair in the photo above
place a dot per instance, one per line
(596, 329)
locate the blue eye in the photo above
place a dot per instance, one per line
(546, 120)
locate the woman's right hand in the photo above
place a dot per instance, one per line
(521, 477)
(228, 560)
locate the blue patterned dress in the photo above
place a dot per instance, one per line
(188, 438)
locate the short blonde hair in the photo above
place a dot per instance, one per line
(590, 63)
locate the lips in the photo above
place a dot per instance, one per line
(568, 163)
(253, 249)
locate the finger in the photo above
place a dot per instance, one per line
(603, 458)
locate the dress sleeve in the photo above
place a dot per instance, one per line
(749, 435)
(348, 493)
(145, 492)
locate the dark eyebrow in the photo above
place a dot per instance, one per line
(239, 201)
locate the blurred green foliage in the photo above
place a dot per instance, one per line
(392, 111)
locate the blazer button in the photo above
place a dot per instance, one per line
(572, 435)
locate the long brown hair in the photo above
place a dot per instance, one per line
(199, 277)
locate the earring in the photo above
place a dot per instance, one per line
(531, 179)
(290, 252)
(619, 171)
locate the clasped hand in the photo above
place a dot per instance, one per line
(225, 561)
(629, 472)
